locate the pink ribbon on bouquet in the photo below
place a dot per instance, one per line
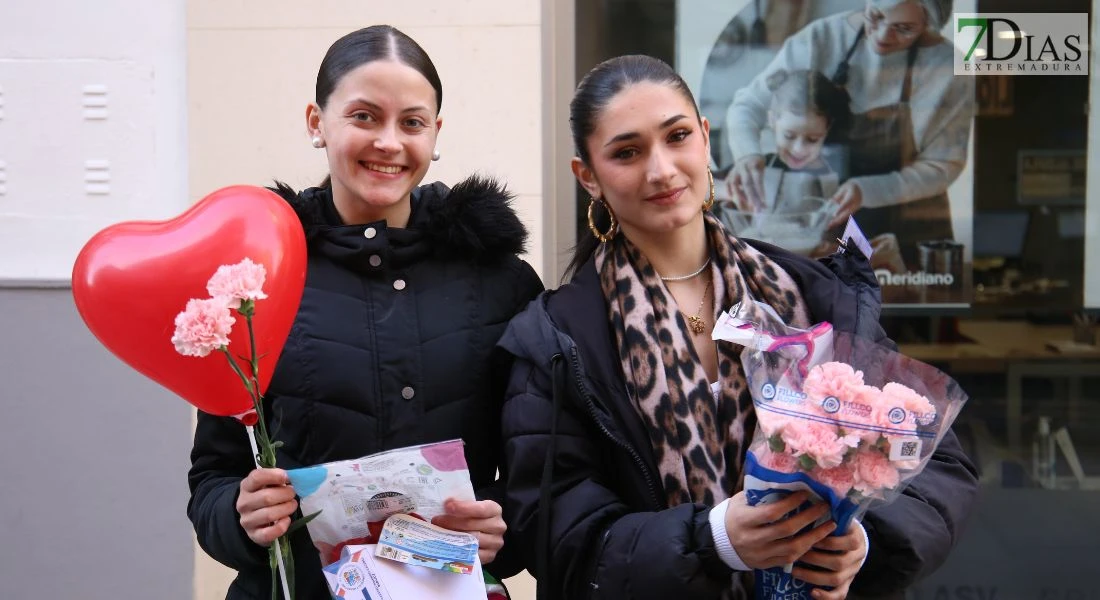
(817, 341)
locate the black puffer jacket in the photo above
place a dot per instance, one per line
(611, 534)
(393, 345)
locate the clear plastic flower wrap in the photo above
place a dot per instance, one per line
(847, 419)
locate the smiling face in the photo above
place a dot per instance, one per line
(892, 26)
(379, 127)
(648, 157)
(798, 138)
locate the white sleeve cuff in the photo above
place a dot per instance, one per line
(866, 543)
(722, 539)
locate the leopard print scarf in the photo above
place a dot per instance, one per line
(699, 444)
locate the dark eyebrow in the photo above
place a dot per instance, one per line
(373, 106)
(622, 137)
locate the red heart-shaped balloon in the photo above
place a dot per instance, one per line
(132, 279)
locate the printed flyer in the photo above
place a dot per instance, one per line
(356, 497)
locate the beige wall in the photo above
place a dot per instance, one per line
(252, 67)
(251, 72)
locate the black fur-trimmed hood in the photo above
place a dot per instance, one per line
(473, 219)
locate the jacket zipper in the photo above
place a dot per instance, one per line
(590, 404)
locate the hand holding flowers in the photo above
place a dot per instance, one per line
(266, 501)
(837, 560)
(764, 536)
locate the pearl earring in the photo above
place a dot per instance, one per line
(318, 142)
(435, 155)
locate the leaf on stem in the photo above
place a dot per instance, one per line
(300, 523)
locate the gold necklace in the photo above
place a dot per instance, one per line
(695, 322)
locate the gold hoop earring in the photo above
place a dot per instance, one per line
(709, 202)
(605, 236)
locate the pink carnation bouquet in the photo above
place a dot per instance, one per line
(203, 328)
(840, 416)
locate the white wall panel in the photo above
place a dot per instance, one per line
(92, 126)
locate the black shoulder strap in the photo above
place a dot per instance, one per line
(840, 76)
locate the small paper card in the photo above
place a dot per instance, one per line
(360, 575)
(412, 541)
(855, 234)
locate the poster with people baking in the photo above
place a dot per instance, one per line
(821, 109)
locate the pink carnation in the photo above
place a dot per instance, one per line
(242, 281)
(840, 479)
(773, 423)
(864, 409)
(899, 409)
(776, 461)
(817, 440)
(202, 327)
(918, 408)
(831, 379)
(873, 473)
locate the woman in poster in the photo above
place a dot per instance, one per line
(911, 117)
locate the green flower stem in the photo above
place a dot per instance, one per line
(266, 457)
(281, 545)
(267, 448)
(279, 553)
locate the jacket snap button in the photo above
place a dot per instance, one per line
(407, 393)
(374, 260)
(370, 232)
(399, 284)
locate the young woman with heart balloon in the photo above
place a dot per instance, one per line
(408, 288)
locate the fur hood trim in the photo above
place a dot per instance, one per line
(475, 218)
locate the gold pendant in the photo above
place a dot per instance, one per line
(696, 324)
